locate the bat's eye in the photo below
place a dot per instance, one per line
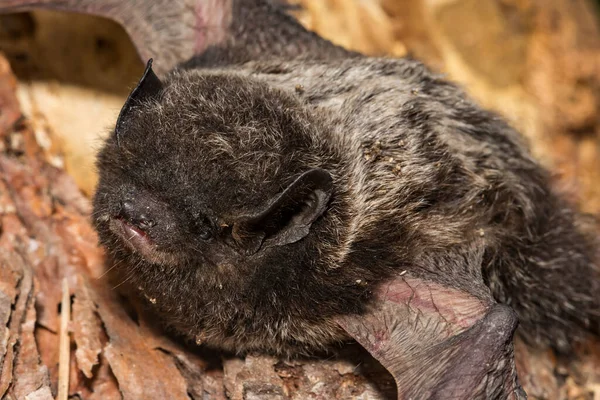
(203, 227)
(205, 234)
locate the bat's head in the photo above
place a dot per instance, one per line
(216, 185)
(211, 168)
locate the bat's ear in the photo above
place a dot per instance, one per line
(148, 87)
(289, 216)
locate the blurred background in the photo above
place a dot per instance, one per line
(537, 62)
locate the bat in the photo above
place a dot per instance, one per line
(275, 193)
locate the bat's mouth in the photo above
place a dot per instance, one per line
(134, 237)
(139, 242)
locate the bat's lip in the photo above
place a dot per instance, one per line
(135, 238)
(141, 243)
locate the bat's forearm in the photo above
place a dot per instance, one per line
(175, 31)
(170, 31)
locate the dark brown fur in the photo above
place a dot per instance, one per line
(424, 181)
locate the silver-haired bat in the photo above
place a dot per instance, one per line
(275, 193)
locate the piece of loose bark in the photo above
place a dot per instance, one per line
(22, 373)
(11, 275)
(87, 328)
(31, 376)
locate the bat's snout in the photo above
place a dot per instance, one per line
(144, 224)
(140, 218)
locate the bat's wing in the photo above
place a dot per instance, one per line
(175, 31)
(439, 342)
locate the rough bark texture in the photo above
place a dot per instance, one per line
(535, 61)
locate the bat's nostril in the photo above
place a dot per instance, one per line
(145, 222)
(132, 214)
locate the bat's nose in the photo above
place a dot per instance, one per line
(135, 215)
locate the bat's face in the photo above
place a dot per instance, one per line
(213, 169)
(212, 195)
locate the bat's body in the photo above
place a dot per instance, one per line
(283, 202)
